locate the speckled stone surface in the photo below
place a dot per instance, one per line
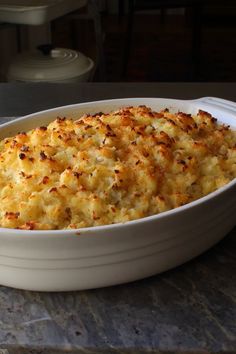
(190, 309)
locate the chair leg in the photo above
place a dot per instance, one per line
(197, 38)
(163, 15)
(128, 38)
(18, 39)
(94, 11)
(121, 10)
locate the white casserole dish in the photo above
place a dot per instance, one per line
(63, 260)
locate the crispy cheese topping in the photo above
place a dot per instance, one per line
(110, 168)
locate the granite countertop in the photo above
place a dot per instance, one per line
(191, 308)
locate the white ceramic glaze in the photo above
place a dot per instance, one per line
(108, 255)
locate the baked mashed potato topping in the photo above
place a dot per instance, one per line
(110, 168)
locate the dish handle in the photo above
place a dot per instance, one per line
(220, 103)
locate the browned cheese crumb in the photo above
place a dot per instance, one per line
(109, 168)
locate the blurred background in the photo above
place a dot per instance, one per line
(128, 40)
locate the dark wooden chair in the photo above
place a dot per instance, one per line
(139, 5)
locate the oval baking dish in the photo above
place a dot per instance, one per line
(61, 260)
